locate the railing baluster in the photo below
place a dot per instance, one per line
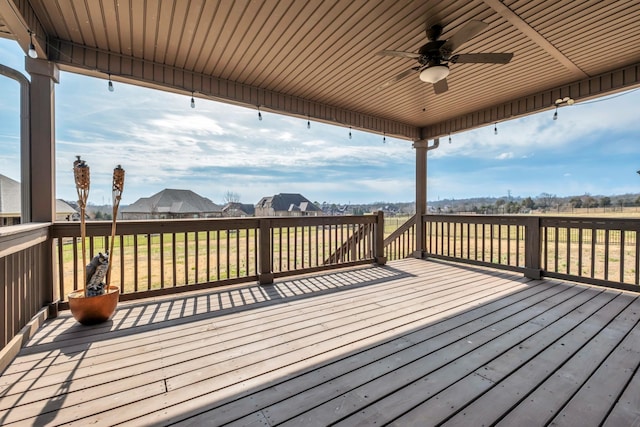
(621, 263)
(208, 249)
(161, 241)
(508, 244)
(135, 262)
(148, 261)
(499, 260)
(606, 254)
(580, 237)
(594, 237)
(218, 263)
(173, 258)
(238, 253)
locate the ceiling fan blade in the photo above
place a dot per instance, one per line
(481, 58)
(399, 53)
(399, 77)
(440, 86)
(466, 33)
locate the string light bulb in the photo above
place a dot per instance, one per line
(259, 114)
(32, 48)
(349, 132)
(449, 137)
(308, 122)
(495, 128)
(193, 101)
(384, 137)
(110, 84)
(558, 102)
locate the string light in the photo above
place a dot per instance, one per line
(32, 48)
(110, 84)
(259, 114)
(449, 137)
(193, 101)
(384, 137)
(349, 132)
(566, 100)
(308, 122)
(495, 128)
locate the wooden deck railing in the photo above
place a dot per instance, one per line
(498, 241)
(162, 257)
(589, 250)
(401, 243)
(25, 286)
(592, 250)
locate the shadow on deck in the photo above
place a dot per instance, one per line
(412, 343)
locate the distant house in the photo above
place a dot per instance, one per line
(9, 201)
(235, 209)
(66, 212)
(11, 204)
(172, 204)
(286, 204)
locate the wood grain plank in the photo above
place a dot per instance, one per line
(519, 361)
(351, 401)
(412, 338)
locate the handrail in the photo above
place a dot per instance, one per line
(165, 256)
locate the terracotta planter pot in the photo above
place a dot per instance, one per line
(93, 310)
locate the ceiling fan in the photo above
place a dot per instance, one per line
(435, 55)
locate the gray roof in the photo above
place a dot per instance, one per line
(288, 202)
(63, 207)
(173, 202)
(247, 208)
(9, 196)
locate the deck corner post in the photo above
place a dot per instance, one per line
(533, 248)
(421, 146)
(265, 275)
(378, 253)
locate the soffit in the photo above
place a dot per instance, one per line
(318, 58)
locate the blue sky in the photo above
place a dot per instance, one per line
(215, 148)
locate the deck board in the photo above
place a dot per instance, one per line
(412, 343)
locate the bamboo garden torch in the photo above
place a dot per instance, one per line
(116, 193)
(82, 177)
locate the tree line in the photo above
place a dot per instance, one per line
(544, 202)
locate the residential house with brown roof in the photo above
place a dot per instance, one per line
(172, 204)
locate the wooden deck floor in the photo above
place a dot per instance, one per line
(413, 343)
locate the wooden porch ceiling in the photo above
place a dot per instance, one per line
(413, 343)
(318, 58)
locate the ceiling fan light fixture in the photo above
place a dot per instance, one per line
(434, 73)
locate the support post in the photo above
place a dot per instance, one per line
(421, 194)
(42, 173)
(379, 240)
(44, 75)
(533, 248)
(265, 275)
